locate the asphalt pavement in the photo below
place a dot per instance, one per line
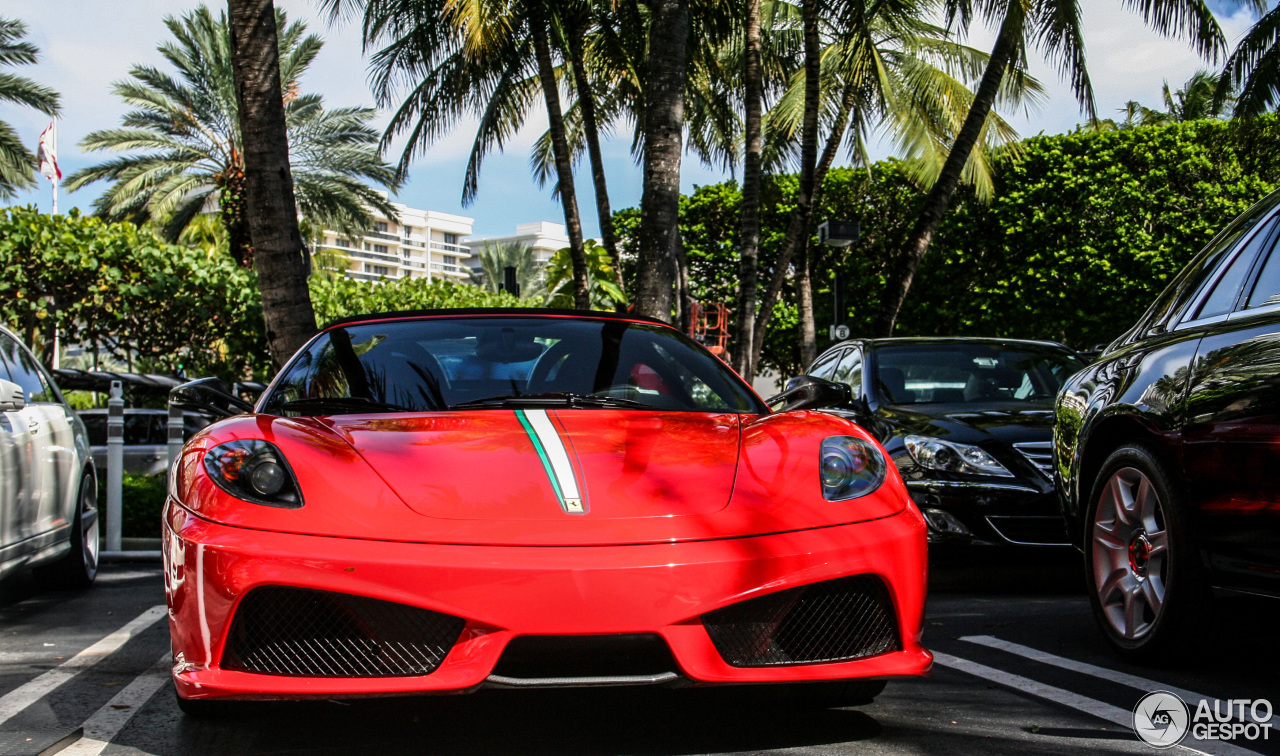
(1021, 669)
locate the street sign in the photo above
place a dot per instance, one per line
(838, 332)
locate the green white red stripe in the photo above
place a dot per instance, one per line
(555, 458)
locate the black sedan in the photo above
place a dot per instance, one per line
(1168, 446)
(968, 422)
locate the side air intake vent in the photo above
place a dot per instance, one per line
(834, 621)
(308, 633)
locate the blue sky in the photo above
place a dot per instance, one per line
(88, 44)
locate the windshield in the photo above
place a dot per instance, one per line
(953, 373)
(491, 362)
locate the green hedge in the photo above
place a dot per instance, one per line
(1083, 232)
(142, 500)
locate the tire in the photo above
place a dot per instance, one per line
(828, 695)
(1147, 586)
(79, 566)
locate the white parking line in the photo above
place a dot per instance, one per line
(1099, 709)
(28, 693)
(1192, 698)
(108, 721)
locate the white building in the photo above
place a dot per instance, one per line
(419, 244)
(544, 237)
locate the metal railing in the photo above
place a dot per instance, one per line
(456, 249)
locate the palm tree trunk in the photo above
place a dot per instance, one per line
(684, 299)
(560, 147)
(804, 290)
(793, 236)
(587, 102)
(232, 206)
(939, 199)
(799, 222)
(749, 244)
(272, 211)
(663, 143)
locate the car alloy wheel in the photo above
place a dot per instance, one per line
(89, 527)
(1131, 553)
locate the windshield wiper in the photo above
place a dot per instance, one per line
(351, 404)
(564, 398)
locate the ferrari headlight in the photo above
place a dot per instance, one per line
(255, 471)
(936, 454)
(850, 468)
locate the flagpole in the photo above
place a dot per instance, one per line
(55, 180)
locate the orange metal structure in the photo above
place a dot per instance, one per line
(709, 326)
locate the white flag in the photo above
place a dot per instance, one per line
(49, 153)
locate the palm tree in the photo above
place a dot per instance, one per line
(494, 258)
(487, 59)
(1253, 68)
(882, 71)
(752, 168)
(664, 123)
(1055, 27)
(272, 217)
(16, 162)
(186, 144)
(1198, 98)
(605, 294)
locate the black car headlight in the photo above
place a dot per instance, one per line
(936, 454)
(255, 471)
(850, 467)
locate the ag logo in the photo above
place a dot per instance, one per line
(1161, 719)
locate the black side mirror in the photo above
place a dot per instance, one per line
(208, 395)
(807, 392)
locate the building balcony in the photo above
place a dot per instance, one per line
(447, 269)
(453, 249)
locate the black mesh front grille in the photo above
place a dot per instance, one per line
(585, 656)
(308, 633)
(838, 620)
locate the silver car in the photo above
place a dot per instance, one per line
(48, 490)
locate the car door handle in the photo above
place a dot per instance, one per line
(33, 424)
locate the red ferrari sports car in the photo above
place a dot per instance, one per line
(445, 500)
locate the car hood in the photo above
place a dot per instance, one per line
(485, 477)
(971, 422)
(546, 464)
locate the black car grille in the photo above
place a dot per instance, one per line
(837, 620)
(1038, 453)
(534, 656)
(308, 633)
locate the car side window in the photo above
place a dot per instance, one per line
(1226, 292)
(25, 373)
(850, 371)
(824, 366)
(1266, 291)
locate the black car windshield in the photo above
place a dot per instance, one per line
(487, 362)
(976, 372)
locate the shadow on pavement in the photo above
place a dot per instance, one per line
(656, 721)
(1021, 571)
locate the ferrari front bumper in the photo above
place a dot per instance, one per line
(503, 592)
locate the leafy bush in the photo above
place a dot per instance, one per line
(335, 298)
(142, 500)
(118, 286)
